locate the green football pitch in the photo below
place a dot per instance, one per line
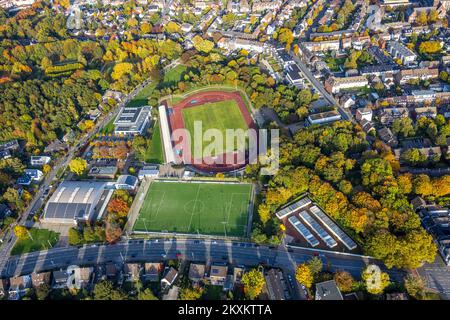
(220, 115)
(195, 208)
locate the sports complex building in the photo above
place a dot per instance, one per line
(203, 208)
(77, 201)
(132, 120)
(83, 201)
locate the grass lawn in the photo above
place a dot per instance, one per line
(39, 240)
(109, 127)
(174, 75)
(141, 99)
(206, 208)
(334, 63)
(154, 152)
(220, 115)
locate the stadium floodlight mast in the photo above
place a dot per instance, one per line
(224, 228)
(145, 224)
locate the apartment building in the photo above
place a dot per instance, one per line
(335, 85)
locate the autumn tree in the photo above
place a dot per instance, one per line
(104, 290)
(441, 186)
(78, 166)
(375, 280)
(121, 69)
(119, 207)
(202, 45)
(253, 281)
(190, 293)
(430, 47)
(113, 232)
(146, 294)
(415, 286)
(422, 185)
(344, 281)
(422, 18)
(304, 275)
(46, 168)
(21, 232)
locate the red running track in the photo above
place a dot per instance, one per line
(176, 121)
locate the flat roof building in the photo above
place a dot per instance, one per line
(132, 120)
(75, 201)
(324, 117)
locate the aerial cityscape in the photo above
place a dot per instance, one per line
(225, 150)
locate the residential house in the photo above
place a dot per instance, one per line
(38, 161)
(328, 290)
(111, 271)
(29, 176)
(196, 272)
(364, 113)
(366, 125)
(83, 277)
(240, 44)
(387, 136)
(60, 278)
(325, 45)
(5, 154)
(12, 145)
(218, 274)
(132, 271)
(347, 101)
(5, 211)
(428, 152)
(427, 112)
(388, 115)
(169, 278)
(152, 271)
(18, 286)
(39, 279)
(93, 114)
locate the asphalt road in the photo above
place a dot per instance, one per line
(193, 250)
(319, 87)
(436, 276)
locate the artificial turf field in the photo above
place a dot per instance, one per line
(191, 208)
(220, 115)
